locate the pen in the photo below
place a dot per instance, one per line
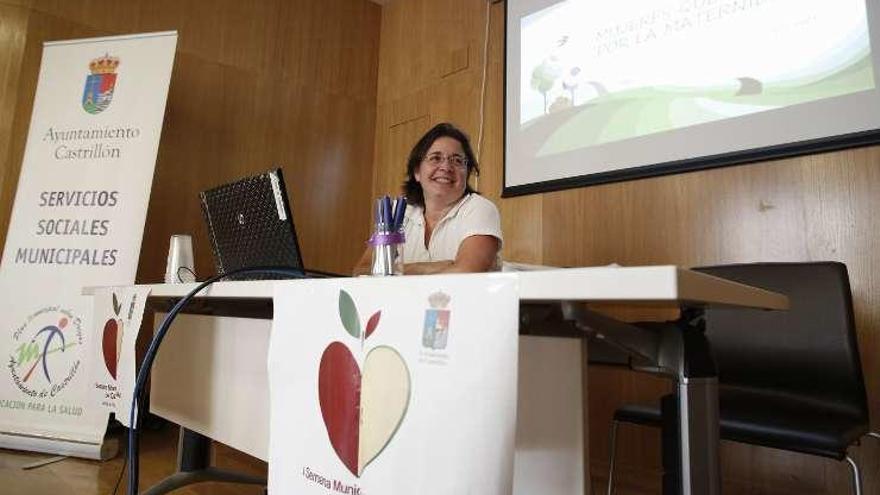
(386, 211)
(379, 215)
(399, 213)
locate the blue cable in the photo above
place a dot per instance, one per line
(147, 364)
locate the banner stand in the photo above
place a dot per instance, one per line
(77, 221)
(97, 451)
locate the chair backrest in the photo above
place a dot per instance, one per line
(809, 351)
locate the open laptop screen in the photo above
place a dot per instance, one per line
(250, 225)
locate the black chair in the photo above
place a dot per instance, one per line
(788, 380)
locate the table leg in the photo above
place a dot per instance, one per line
(699, 436)
(695, 410)
(679, 350)
(670, 446)
(194, 466)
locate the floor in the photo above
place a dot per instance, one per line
(158, 457)
(72, 476)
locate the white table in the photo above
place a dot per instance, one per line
(671, 351)
(642, 284)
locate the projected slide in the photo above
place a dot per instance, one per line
(592, 73)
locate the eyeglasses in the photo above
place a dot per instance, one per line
(454, 159)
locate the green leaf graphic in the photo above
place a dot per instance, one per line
(116, 305)
(348, 313)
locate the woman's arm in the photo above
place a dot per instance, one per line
(476, 253)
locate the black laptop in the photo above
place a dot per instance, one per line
(250, 225)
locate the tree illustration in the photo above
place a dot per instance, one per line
(544, 76)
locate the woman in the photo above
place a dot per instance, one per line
(449, 227)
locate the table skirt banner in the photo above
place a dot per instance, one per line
(77, 220)
(118, 312)
(394, 385)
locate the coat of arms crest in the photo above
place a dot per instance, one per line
(98, 92)
(436, 329)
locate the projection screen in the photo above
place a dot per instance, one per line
(606, 90)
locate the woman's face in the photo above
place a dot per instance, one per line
(443, 171)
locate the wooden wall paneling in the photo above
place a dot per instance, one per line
(446, 99)
(521, 225)
(330, 162)
(17, 3)
(747, 213)
(406, 107)
(106, 16)
(341, 120)
(394, 142)
(626, 223)
(758, 212)
(234, 33)
(252, 120)
(238, 34)
(346, 33)
(491, 154)
(400, 122)
(424, 41)
(403, 56)
(752, 469)
(201, 147)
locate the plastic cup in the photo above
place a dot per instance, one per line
(180, 266)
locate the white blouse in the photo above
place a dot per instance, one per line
(472, 215)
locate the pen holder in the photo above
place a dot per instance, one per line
(387, 253)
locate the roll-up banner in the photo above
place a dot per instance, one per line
(78, 220)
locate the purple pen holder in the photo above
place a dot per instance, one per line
(380, 239)
(388, 238)
(387, 253)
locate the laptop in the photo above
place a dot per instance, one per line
(250, 225)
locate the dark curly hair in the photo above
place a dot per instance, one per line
(411, 188)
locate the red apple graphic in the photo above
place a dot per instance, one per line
(111, 342)
(339, 394)
(362, 412)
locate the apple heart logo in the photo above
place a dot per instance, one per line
(111, 342)
(362, 410)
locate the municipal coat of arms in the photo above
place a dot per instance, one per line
(436, 329)
(98, 92)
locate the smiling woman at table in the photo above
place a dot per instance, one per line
(449, 227)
